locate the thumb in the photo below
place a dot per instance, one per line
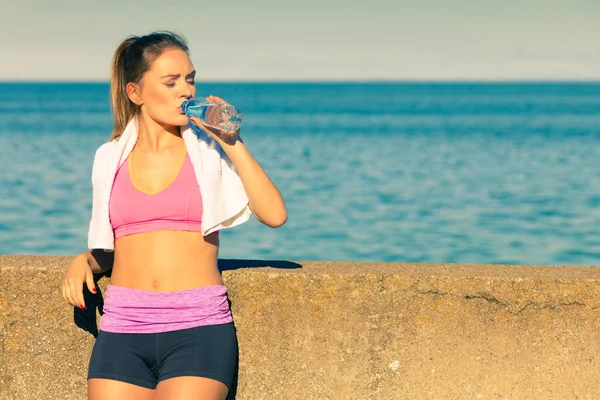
(89, 281)
(200, 125)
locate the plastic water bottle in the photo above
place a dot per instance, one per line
(221, 116)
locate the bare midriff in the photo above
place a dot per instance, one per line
(166, 261)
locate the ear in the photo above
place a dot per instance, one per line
(134, 93)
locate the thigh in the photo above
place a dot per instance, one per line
(119, 361)
(204, 352)
(108, 389)
(191, 388)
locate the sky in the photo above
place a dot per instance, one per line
(327, 40)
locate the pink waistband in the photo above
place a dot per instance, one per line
(138, 311)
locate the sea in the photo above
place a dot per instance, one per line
(501, 173)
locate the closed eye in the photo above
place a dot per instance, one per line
(190, 78)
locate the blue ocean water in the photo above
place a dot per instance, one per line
(468, 173)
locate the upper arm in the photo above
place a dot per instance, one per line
(255, 216)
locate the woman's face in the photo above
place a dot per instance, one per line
(168, 82)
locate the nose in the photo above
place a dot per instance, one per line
(186, 94)
(184, 98)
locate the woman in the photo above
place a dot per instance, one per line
(161, 193)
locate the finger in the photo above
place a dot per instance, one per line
(215, 99)
(62, 290)
(199, 124)
(89, 281)
(77, 294)
(196, 121)
(68, 295)
(213, 132)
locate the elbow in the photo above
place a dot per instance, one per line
(273, 219)
(273, 216)
(277, 220)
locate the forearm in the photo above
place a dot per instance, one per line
(265, 199)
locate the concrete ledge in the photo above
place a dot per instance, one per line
(311, 330)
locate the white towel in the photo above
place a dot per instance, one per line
(224, 200)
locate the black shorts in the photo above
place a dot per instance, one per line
(145, 359)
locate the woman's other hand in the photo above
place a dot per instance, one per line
(78, 272)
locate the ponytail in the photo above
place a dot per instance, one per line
(123, 109)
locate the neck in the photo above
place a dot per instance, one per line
(153, 136)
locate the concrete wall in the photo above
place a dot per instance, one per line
(312, 330)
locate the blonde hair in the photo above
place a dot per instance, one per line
(132, 59)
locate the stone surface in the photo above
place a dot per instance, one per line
(325, 330)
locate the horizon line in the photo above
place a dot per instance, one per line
(329, 81)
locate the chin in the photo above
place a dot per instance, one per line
(180, 120)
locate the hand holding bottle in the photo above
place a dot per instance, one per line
(215, 116)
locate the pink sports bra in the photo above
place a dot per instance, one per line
(177, 207)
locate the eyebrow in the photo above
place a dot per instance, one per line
(175, 76)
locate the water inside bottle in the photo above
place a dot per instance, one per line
(217, 115)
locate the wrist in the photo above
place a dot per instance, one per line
(232, 148)
(78, 261)
(229, 141)
(83, 258)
